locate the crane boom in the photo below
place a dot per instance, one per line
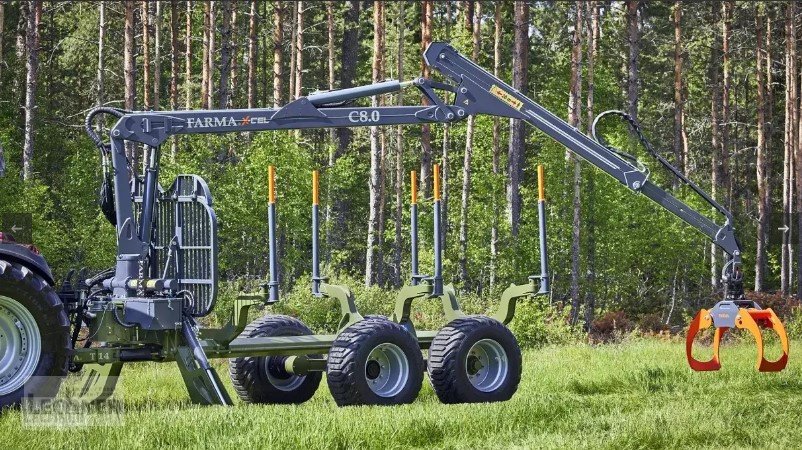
(475, 91)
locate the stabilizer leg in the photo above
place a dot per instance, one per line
(98, 381)
(202, 382)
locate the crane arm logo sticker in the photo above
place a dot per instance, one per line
(506, 97)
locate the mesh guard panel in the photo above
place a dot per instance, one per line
(185, 240)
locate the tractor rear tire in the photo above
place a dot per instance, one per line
(375, 362)
(474, 359)
(263, 379)
(34, 337)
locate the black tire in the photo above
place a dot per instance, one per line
(350, 366)
(262, 379)
(450, 361)
(34, 294)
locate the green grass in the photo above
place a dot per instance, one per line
(638, 394)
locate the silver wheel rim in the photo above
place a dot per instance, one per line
(20, 345)
(487, 365)
(387, 370)
(285, 384)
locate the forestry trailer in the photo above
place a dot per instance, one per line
(146, 307)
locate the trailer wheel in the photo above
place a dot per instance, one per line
(263, 379)
(34, 336)
(474, 359)
(374, 362)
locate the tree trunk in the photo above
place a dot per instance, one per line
(174, 68)
(466, 163)
(593, 36)
(188, 57)
(399, 155)
(715, 151)
(348, 64)
(515, 154)
(233, 79)
(2, 31)
(32, 67)
(769, 87)
(680, 138)
(211, 56)
(726, 115)
(265, 47)
(157, 56)
(129, 71)
(278, 53)
(445, 174)
(375, 149)
(146, 19)
(797, 126)
(331, 147)
(496, 149)
(225, 55)
(293, 53)
(427, 17)
(101, 54)
(207, 6)
(173, 54)
(19, 77)
(791, 97)
(762, 163)
(299, 49)
(574, 119)
(252, 55)
(633, 38)
(349, 55)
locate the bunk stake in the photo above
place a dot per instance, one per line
(541, 217)
(271, 224)
(316, 279)
(413, 222)
(438, 257)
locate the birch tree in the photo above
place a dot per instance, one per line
(32, 70)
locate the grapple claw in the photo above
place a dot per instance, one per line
(726, 315)
(752, 319)
(703, 321)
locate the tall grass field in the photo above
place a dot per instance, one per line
(638, 394)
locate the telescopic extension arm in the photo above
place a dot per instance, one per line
(475, 91)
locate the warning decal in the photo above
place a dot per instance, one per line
(506, 97)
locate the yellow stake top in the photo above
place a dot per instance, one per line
(413, 179)
(436, 182)
(271, 184)
(315, 190)
(541, 182)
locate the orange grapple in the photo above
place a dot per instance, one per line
(735, 314)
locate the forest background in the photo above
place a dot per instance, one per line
(715, 86)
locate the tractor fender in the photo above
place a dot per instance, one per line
(28, 256)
